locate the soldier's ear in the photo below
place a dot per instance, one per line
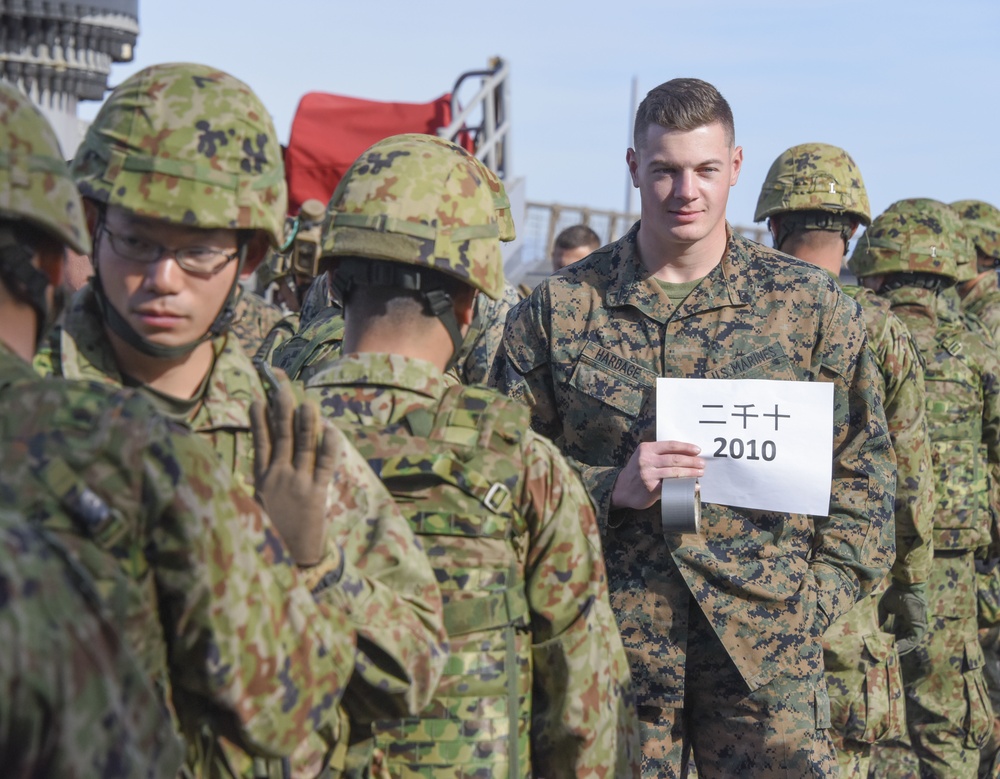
(256, 251)
(92, 213)
(464, 302)
(50, 261)
(772, 228)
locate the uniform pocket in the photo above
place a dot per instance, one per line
(883, 691)
(609, 388)
(978, 712)
(867, 689)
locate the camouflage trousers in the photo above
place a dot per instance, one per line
(948, 711)
(865, 684)
(779, 730)
(988, 592)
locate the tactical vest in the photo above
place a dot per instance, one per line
(457, 474)
(962, 516)
(319, 342)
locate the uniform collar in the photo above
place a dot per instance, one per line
(986, 287)
(392, 371)
(84, 349)
(915, 301)
(85, 353)
(632, 285)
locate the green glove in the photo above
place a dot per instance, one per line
(903, 610)
(294, 462)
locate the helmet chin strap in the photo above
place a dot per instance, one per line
(353, 272)
(27, 282)
(440, 304)
(121, 327)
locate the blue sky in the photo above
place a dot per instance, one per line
(910, 89)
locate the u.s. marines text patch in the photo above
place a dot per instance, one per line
(748, 362)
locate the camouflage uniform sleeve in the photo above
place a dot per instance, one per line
(991, 432)
(247, 640)
(483, 338)
(583, 720)
(388, 593)
(855, 545)
(521, 371)
(907, 423)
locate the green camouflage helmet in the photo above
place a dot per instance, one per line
(982, 223)
(419, 200)
(814, 177)
(966, 262)
(505, 220)
(35, 185)
(913, 235)
(188, 144)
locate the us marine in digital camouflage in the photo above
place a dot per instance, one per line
(322, 320)
(74, 702)
(253, 319)
(908, 256)
(190, 570)
(723, 628)
(572, 245)
(814, 200)
(184, 186)
(538, 682)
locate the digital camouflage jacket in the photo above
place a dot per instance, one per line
(189, 567)
(584, 350)
(253, 319)
(387, 588)
(483, 339)
(536, 544)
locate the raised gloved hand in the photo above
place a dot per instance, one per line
(903, 610)
(293, 465)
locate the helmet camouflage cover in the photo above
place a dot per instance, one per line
(913, 235)
(982, 224)
(188, 144)
(814, 177)
(505, 220)
(419, 200)
(35, 185)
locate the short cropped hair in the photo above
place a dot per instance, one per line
(683, 104)
(576, 236)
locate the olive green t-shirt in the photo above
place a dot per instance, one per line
(677, 292)
(177, 409)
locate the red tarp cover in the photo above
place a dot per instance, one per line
(330, 131)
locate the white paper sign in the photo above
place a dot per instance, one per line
(767, 445)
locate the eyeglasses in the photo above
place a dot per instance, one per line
(194, 259)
